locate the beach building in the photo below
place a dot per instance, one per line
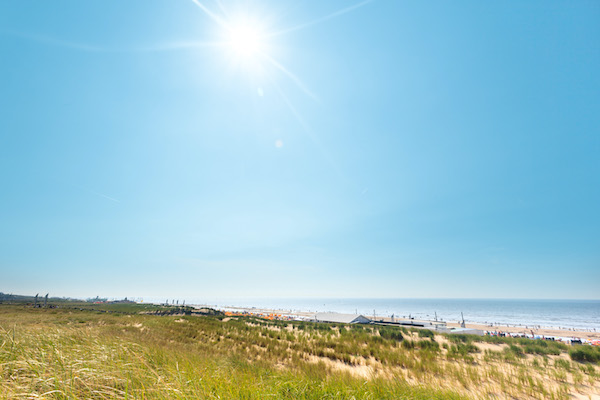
(341, 318)
(464, 331)
(412, 323)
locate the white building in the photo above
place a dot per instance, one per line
(464, 331)
(341, 318)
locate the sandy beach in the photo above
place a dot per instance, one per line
(541, 331)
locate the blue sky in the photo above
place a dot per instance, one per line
(322, 149)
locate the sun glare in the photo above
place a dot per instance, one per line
(245, 40)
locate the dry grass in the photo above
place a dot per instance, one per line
(72, 354)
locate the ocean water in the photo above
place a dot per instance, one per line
(570, 314)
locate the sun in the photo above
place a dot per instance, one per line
(245, 40)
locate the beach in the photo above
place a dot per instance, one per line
(537, 331)
(545, 331)
(373, 360)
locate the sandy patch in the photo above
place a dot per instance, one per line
(361, 371)
(490, 346)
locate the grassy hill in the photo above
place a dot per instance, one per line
(83, 351)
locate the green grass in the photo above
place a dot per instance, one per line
(520, 346)
(77, 352)
(72, 354)
(125, 308)
(590, 354)
(425, 333)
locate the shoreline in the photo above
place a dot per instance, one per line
(536, 330)
(291, 314)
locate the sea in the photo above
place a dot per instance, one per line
(564, 314)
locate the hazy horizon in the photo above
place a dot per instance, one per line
(199, 148)
(221, 299)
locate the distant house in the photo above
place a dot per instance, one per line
(341, 318)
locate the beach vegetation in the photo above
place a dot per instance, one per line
(461, 338)
(514, 350)
(391, 333)
(83, 353)
(462, 350)
(564, 364)
(426, 333)
(589, 354)
(541, 347)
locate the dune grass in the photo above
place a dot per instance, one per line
(77, 353)
(67, 354)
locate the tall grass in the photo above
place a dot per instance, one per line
(77, 354)
(82, 355)
(589, 354)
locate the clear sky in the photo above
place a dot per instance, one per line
(201, 149)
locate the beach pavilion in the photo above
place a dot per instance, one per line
(341, 318)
